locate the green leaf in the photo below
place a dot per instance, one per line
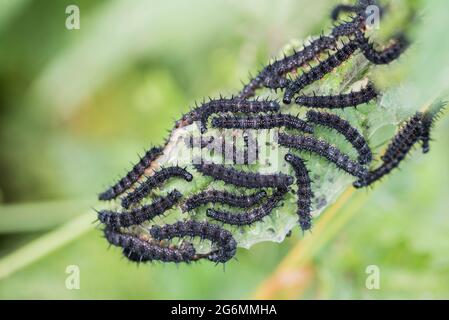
(377, 121)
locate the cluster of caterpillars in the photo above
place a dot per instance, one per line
(265, 191)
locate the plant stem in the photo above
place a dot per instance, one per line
(45, 244)
(300, 256)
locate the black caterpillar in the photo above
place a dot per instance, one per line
(396, 151)
(233, 105)
(138, 250)
(319, 71)
(427, 121)
(340, 101)
(244, 179)
(349, 28)
(117, 220)
(221, 237)
(250, 217)
(304, 192)
(223, 197)
(184, 253)
(343, 127)
(262, 122)
(154, 181)
(132, 176)
(325, 150)
(407, 136)
(386, 56)
(272, 76)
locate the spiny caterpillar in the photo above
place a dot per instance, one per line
(344, 128)
(386, 56)
(349, 28)
(139, 250)
(226, 243)
(416, 129)
(396, 151)
(154, 181)
(184, 253)
(427, 121)
(402, 143)
(233, 105)
(273, 76)
(409, 134)
(318, 72)
(223, 197)
(244, 179)
(251, 216)
(132, 176)
(304, 191)
(262, 122)
(325, 150)
(136, 216)
(340, 101)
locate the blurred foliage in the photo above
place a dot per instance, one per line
(75, 106)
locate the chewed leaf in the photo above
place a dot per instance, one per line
(245, 150)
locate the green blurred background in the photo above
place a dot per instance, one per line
(76, 106)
